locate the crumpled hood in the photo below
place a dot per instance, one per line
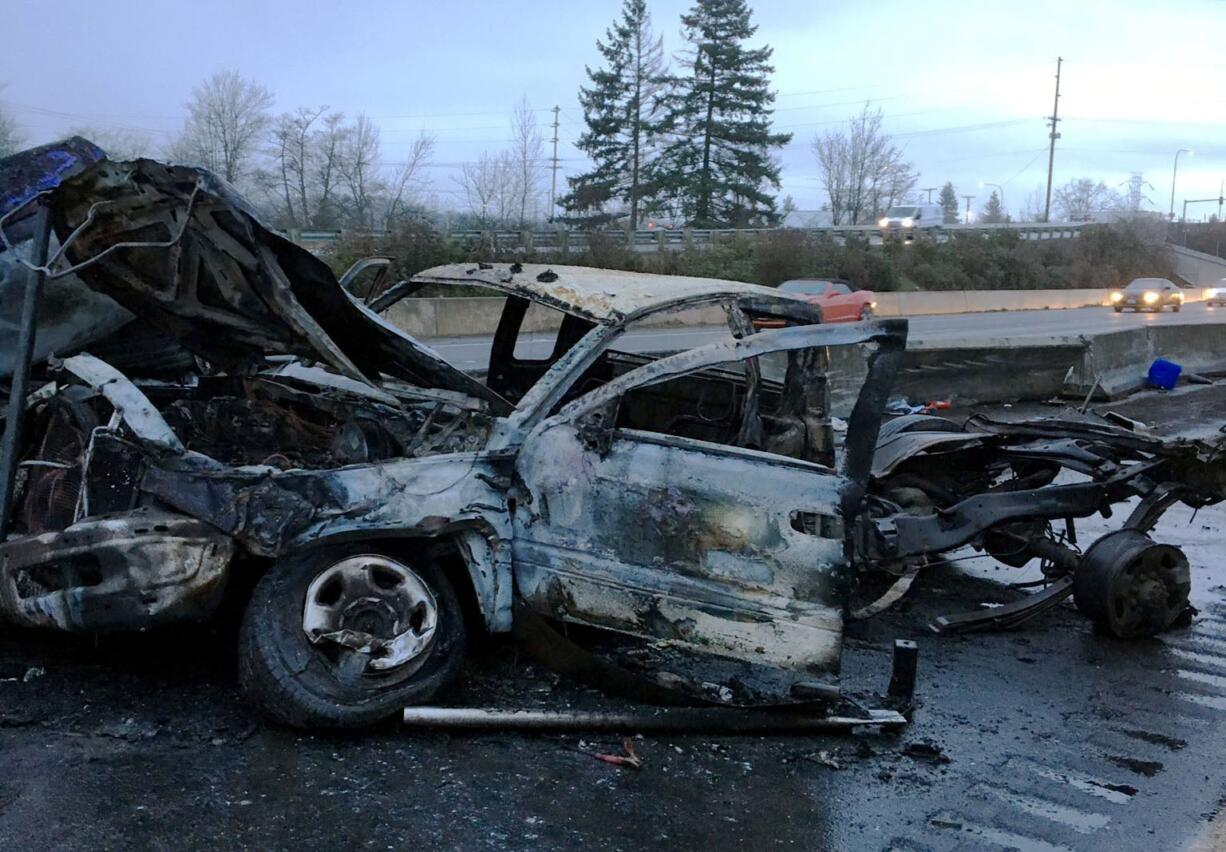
(224, 285)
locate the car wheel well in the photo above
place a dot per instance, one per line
(246, 570)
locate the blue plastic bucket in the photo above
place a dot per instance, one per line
(1163, 373)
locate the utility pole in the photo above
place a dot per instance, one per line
(969, 199)
(929, 190)
(553, 161)
(1051, 156)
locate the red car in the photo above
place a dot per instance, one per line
(838, 301)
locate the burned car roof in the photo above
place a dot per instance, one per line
(183, 252)
(605, 296)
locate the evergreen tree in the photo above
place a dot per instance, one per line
(622, 110)
(949, 203)
(992, 211)
(717, 165)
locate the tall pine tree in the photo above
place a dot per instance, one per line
(993, 212)
(717, 165)
(622, 111)
(949, 204)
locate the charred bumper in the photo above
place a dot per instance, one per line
(121, 572)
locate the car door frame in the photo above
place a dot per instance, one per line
(887, 339)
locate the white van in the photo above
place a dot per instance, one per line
(912, 217)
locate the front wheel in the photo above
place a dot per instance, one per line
(866, 313)
(346, 637)
(1176, 308)
(1119, 310)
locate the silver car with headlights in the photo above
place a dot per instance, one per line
(1148, 294)
(1216, 296)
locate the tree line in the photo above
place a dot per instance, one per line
(681, 141)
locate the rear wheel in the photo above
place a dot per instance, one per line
(346, 637)
(1175, 307)
(866, 313)
(1131, 586)
(1119, 310)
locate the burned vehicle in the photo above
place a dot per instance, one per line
(222, 413)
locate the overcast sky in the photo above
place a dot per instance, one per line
(963, 86)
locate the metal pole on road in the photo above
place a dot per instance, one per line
(1174, 175)
(10, 443)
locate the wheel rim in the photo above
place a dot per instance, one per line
(371, 615)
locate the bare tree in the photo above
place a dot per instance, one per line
(1080, 198)
(862, 169)
(488, 186)
(528, 155)
(11, 137)
(328, 149)
(227, 119)
(1032, 206)
(834, 160)
(292, 147)
(407, 180)
(892, 186)
(119, 143)
(359, 170)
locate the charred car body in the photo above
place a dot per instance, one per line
(253, 418)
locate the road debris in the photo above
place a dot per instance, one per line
(648, 720)
(629, 758)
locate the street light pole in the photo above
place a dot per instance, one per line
(1175, 174)
(969, 199)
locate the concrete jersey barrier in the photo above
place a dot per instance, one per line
(478, 316)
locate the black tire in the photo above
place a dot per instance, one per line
(866, 313)
(1119, 310)
(1176, 308)
(291, 682)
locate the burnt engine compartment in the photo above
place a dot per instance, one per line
(80, 460)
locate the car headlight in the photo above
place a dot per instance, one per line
(881, 223)
(872, 304)
(908, 222)
(1117, 296)
(1150, 297)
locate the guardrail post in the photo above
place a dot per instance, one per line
(564, 242)
(526, 239)
(687, 235)
(660, 247)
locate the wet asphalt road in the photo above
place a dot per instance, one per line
(473, 352)
(1048, 737)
